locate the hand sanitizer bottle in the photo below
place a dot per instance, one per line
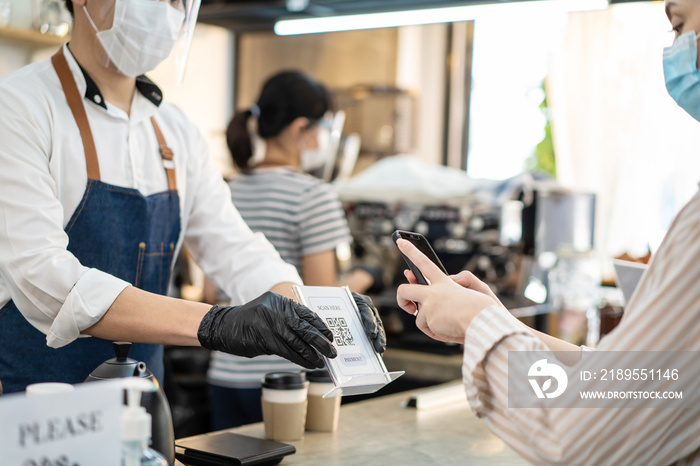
(136, 427)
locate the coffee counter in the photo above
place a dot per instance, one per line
(381, 431)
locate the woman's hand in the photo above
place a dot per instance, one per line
(468, 280)
(447, 306)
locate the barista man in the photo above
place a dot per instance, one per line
(101, 184)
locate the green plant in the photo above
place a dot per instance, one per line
(542, 159)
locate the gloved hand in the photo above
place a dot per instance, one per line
(269, 324)
(371, 322)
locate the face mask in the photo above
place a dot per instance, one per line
(681, 73)
(313, 159)
(142, 35)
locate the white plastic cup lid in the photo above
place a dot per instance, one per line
(46, 388)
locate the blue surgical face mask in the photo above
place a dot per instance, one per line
(681, 73)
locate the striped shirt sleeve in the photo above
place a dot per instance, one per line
(663, 315)
(322, 223)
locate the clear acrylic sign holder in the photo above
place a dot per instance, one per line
(358, 369)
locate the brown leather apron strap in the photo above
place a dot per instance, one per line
(75, 102)
(167, 155)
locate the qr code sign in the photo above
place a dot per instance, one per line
(341, 332)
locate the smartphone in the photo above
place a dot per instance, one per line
(423, 246)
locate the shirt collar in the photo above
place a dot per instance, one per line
(145, 86)
(149, 90)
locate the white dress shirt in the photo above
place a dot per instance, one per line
(43, 178)
(663, 315)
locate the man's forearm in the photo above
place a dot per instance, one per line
(142, 317)
(285, 289)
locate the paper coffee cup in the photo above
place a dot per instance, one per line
(322, 413)
(284, 402)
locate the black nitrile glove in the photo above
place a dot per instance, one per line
(371, 322)
(269, 324)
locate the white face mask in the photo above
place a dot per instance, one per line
(142, 35)
(313, 159)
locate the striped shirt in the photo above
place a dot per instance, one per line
(300, 215)
(663, 315)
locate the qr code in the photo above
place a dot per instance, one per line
(341, 332)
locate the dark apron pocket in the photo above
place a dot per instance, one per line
(153, 265)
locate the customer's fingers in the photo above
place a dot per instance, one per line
(410, 276)
(468, 280)
(429, 270)
(408, 296)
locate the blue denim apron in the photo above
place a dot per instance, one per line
(113, 229)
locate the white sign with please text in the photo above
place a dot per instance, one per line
(78, 428)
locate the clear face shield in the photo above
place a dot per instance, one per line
(136, 36)
(182, 47)
(321, 160)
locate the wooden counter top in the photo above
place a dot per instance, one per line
(380, 431)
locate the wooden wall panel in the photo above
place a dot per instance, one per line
(339, 59)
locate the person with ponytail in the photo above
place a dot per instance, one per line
(273, 144)
(287, 127)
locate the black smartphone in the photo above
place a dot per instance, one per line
(423, 246)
